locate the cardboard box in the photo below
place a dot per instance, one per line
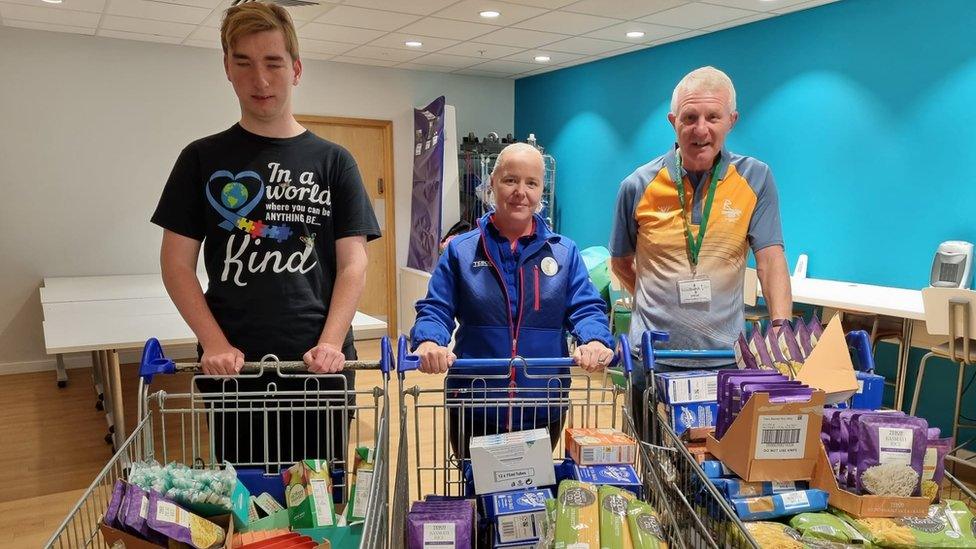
(308, 494)
(684, 387)
(863, 506)
(829, 367)
(518, 516)
(600, 446)
(772, 441)
(111, 535)
(512, 461)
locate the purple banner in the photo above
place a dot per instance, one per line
(428, 174)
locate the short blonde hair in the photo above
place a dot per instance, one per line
(707, 79)
(499, 160)
(254, 17)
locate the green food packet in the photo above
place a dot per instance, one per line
(947, 524)
(645, 526)
(614, 529)
(826, 527)
(577, 518)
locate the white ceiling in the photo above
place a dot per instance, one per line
(455, 37)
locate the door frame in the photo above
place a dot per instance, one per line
(388, 194)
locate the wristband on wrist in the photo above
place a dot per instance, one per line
(778, 323)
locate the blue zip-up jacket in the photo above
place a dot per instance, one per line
(553, 298)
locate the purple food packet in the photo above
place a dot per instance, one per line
(743, 356)
(757, 344)
(815, 329)
(776, 392)
(788, 343)
(114, 504)
(933, 433)
(168, 519)
(773, 345)
(853, 435)
(432, 529)
(725, 380)
(136, 509)
(933, 467)
(891, 454)
(803, 338)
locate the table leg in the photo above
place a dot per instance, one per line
(116, 391)
(904, 352)
(98, 381)
(62, 373)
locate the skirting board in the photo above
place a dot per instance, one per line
(83, 360)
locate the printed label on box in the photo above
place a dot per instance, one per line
(795, 499)
(439, 535)
(517, 528)
(781, 436)
(323, 499)
(364, 480)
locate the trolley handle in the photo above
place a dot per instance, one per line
(407, 361)
(153, 363)
(649, 354)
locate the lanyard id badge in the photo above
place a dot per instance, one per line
(697, 289)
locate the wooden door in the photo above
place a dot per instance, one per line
(371, 143)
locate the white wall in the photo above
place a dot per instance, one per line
(90, 127)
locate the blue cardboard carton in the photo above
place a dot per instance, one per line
(621, 476)
(519, 515)
(684, 387)
(695, 414)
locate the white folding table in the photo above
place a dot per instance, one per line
(867, 298)
(106, 314)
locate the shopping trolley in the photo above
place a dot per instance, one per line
(703, 517)
(180, 427)
(571, 398)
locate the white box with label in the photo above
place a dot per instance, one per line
(512, 461)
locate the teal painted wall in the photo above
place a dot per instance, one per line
(864, 109)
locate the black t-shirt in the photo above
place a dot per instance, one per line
(268, 211)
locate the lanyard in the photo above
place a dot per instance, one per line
(694, 244)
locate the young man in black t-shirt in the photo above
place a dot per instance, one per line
(283, 218)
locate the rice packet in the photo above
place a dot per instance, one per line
(780, 505)
(789, 347)
(743, 356)
(853, 434)
(780, 362)
(933, 433)
(815, 328)
(645, 526)
(114, 504)
(890, 455)
(178, 524)
(727, 380)
(759, 348)
(802, 334)
(614, 528)
(933, 467)
(136, 509)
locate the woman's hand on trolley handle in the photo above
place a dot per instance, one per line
(324, 358)
(222, 360)
(434, 359)
(593, 356)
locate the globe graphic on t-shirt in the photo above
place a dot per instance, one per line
(233, 195)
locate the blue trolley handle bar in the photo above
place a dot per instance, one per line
(408, 362)
(652, 336)
(153, 363)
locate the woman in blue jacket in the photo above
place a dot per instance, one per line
(514, 288)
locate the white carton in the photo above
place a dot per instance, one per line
(512, 461)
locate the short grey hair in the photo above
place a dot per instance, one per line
(489, 197)
(707, 79)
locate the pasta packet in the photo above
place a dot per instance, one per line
(824, 526)
(946, 525)
(774, 534)
(645, 526)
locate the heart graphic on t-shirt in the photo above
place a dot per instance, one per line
(238, 194)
